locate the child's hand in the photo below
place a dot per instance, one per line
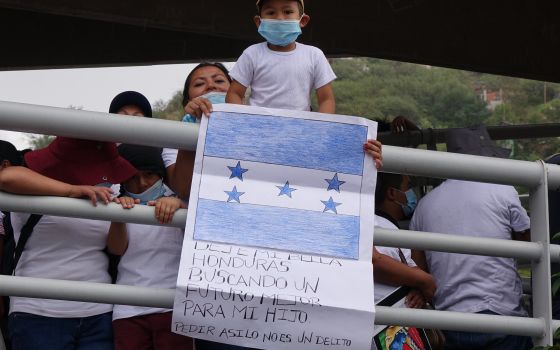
(92, 192)
(166, 207)
(373, 148)
(126, 202)
(199, 106)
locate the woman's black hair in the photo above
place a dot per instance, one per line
(218, 65)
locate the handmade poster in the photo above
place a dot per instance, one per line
(399, 337)
(279, 234)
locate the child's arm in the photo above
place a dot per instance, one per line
(325, 98)
(181, 176)
(117, 239)
(166, 207)
(236, 93)
(21, 180)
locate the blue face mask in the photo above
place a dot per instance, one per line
(157, 190)
(280, 32)
(410, 205)
(215, 97)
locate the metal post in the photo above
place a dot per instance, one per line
(542, 303)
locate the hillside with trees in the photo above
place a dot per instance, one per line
(432, 97)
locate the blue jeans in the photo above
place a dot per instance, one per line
(485, 341)
(30, 332)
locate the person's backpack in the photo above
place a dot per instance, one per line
(10, 258)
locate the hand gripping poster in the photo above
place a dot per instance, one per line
(278, 241)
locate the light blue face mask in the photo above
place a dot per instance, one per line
(215, 97)
(280, 32)
(157, 190)
(411, 202)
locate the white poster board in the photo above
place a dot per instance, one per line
(278, 242)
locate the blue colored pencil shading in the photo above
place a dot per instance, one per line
(282, 143)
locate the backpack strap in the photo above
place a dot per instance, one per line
(26, 232)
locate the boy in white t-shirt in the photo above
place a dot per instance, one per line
(281, 72)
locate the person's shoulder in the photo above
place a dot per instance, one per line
(256, 48)
(314, 50)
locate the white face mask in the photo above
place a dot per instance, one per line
(216, 97)
(157, 190)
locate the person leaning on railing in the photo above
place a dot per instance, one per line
(64, 248)
(474, 283)
(394, 201)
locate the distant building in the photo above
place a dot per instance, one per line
(492, 98)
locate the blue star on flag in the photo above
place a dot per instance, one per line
(233, 195)
(330, 205)
(286, 189)
(334, 183)
(237, 171)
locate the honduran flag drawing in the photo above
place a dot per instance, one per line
(292, 182)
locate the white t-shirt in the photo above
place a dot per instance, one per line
(382, 290)
(169, 156)
(65, 249)
(282, 79)
(151, 260)
(473, 283)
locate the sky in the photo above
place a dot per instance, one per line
(89, 88)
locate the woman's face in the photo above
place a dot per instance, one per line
(207, 79)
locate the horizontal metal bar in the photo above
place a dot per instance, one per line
(457, 244)
(461, 166)
(129, 295)
(85, 291)
(459, 321)
(81, 208)
(497, 132)
(97, 126)
(141, 214)
(107, 127)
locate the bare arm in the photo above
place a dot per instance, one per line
(21, 180)
(392, 272)
(521, 236)
(419, 258)
(180, 173)
(325, 99)
(117, 239)
(236, 93)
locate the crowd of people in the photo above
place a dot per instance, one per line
(281, 73)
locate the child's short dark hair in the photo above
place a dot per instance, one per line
(261, 2)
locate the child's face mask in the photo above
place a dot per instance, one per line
(157, 190)
(280, 32)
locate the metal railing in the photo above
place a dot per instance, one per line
(537, 176)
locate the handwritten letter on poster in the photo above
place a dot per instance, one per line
(277, 250)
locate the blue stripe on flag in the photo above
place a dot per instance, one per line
(322, 145)
(295, 230)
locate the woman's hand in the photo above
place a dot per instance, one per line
(199, 106)
(373, 148)
(401, 124)
(94, 193)
(414, 299)
(126, 202)
(166, 207)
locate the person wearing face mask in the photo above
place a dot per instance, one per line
(150, 254)
(474, 283)
(394, 266)
(281, 72)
